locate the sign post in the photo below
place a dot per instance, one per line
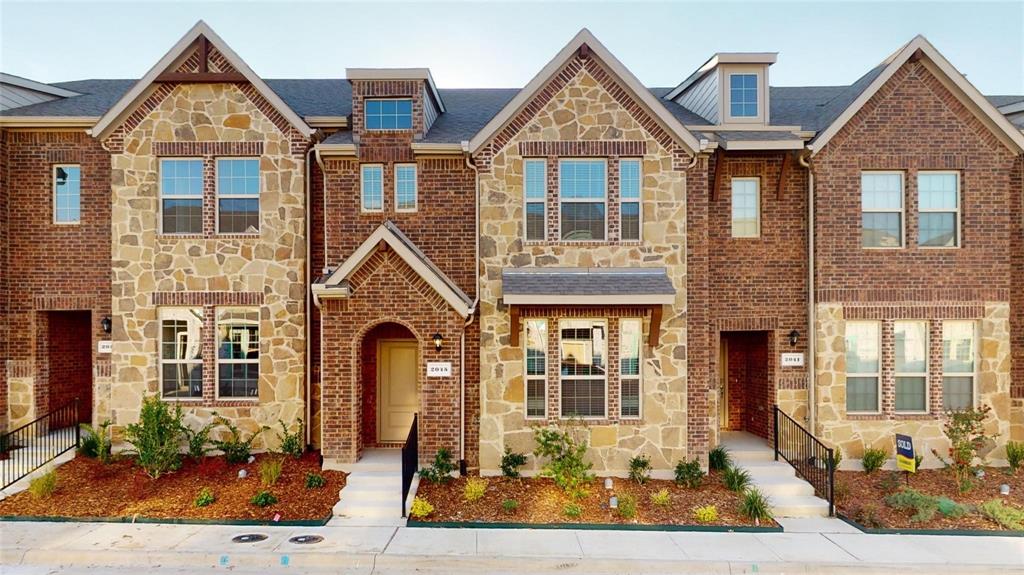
(905, 459)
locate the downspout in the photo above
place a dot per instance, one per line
(472, 310)
(812, 409)
(309, 311)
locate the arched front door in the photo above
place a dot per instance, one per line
(397, 399)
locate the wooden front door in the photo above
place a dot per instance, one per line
(397, 397)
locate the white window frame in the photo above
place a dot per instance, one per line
(877, 374)
(527, 378)
(53, 176)
(639, 201)
(924, 374)
(639, 377)
(415, 188)
(161, 196)
(544, 203)
(161, 361)
(256, 196)
(956, 212)
(561, 200)
(362, 191)
(757, 207)
(902, 210)
(562, 378)
(975, 334)
(219, 360)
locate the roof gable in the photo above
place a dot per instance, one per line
(184, 63)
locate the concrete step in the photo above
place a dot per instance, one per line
(783, 486)
(798, 506)
(368, 493)
(379, 479)
(362, 509)
(769, 469)
(739, 456)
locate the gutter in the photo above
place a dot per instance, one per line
(48, 121)
(812, 409)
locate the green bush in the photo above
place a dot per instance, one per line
(627, 506)
(661, 498)
(965, 429)
(511, 462)
(867, 514)
(263, 499)
(1004, 515)
(198, 441)
(572, 510)
(566, 460)
(290, 443)
(755, 506)
(689, 474)
(892, 482)
(719, 459)
(474, 489)
(952, 509)
(873, 460)
(1015, 455)
(924, 506)
(44, 485)
(440, 471)
(510, 505)
(156, 437)
(736, 479)
(270, 471)
(236, 449)
(315, 481)
(837, 457)
(640, 469)
(95, 442)
(205, 497)
(705, 514)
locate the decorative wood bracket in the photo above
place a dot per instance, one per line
(787, 162)
(515, 327)
(655, 334)
(719, 168)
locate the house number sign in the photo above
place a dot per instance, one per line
(104, 346)
(439, 369)
(792, 360)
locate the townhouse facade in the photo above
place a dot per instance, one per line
(657, 265)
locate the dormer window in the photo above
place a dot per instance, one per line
(391, 114)
(743, 95)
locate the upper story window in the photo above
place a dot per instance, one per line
(746, 207)
(630, 181)
(372, 186)
(882, 209)
(535, 191)
(583, 367)
(67, 194)
(582, 189)
(743, 95)
(392, 114)
(939, 206)
(405, 188)
(238, 355)
(238, 195)
(181, 196)
(863, 366)
(181, 352)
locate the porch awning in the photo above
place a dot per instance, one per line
(587, 286)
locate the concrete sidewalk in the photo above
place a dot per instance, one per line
(27, 547)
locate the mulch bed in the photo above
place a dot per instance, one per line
(859, 495)
(88, 488)
(542, 502)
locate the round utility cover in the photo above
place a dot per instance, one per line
(249, 538)
(306, 539)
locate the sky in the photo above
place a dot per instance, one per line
(501, 45)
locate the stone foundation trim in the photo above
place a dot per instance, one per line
(585, 148)
(207, 298)
(172, 149)
(849, 298)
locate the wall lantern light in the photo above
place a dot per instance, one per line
(438, 341)
(794, 336)
(106, 324)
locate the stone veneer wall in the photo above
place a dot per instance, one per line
(208, 269)
(583, 105)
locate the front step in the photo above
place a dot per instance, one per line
(372, 491)
(789, 494)
(798, 506)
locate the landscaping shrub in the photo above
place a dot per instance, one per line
(475, 489)
(198, 441)
(315, 481)
(205, 497)
(270, 471)
(95, 442)
(236, 450)
(420, 508)
(705, 514)
(952, 509)
(1015, 454)
(1006, 516)
(44, 485)
(736, 479)
(925, 506)
(661, 498)
(918, 460)
(566, 460)
(755, 506)
(510, 505)
(263, 499)
(867, 514)
(156, 437)
(873, 460)
(837, 457)
(572, 510)
(842, 490)
(892, 482)
(640, 468)
(439, 471)
(689, 474)
(290, 443)
(966, 432)
(511, 462)
(719, 459)
(627, 506)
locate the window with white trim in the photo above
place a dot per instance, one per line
(746, 207)
(743, 95)
(181, 352)
(238, 352)
(372, 187)
(583, 367)
(862, 367)
(238, 195)
(959, 353)
(67, 194)
(582, 191)
(911, 342)
(881, 196)
(938, 204)
(535, 192)
(630, 330)
(405, 188)
(390, 114)
(630, 182)
(536, 368)
(181, 196)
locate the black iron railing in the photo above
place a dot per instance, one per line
(410, 460)
(811, 458)
(38, 442)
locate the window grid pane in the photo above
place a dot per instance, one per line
(743, 95)
(389, 114)
(238, 352)
(181, 353)
(181, 186)
(630, 213)
(373, 188)
(959, 353)
(862, 366)
(939, 203)
(405, 187)
(745, 208)
(67, 195)
(582, 221)
(536, 367)
(911, 364)
(582, 350)
(629, 367)
(882, 206)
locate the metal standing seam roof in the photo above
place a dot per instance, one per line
(586, 281)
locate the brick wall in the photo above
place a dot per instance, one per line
(363, 89)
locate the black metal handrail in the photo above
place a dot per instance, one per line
(811, 458)
(410, 459)
(38, 442)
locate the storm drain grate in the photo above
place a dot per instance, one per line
(306, 539)
(249, 538)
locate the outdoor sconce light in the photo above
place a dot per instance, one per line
(438, 341)
(106, 324)
(794, 336)
(608, 483)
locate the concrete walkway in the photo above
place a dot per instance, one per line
(29, 547)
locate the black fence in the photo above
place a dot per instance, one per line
(410, 460)
(811, 459)
(33, 445)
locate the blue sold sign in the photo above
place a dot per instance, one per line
(905, 453)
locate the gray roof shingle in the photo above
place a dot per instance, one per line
(586, 281)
